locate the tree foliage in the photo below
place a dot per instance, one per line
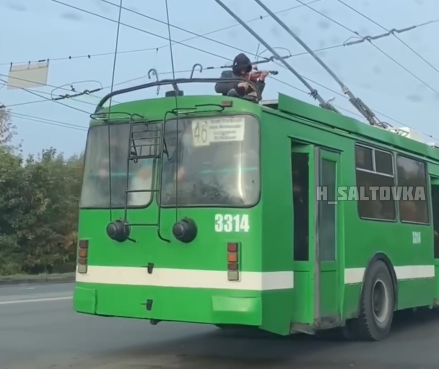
(38, 207)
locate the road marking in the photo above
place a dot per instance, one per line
(36, 300)
(17, 288)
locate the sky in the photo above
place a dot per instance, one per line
(80, 47)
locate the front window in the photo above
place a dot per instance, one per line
(213, 161)
(107, 151)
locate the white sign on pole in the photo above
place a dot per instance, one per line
(29, 75)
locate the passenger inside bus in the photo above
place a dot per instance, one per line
(242, 68)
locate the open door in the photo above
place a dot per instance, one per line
(316, 254)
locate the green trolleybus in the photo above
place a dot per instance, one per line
(267, 214)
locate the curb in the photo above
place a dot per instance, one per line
(12, 282)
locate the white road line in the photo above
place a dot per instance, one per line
(17, 288)
(36, 300)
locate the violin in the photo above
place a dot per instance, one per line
(256, 74)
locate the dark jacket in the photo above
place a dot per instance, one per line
(224, 87)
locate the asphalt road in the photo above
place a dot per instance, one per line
(39, 330)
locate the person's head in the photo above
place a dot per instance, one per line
(241, 65)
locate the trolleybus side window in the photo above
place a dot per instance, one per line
(374, 172)
(412, 180)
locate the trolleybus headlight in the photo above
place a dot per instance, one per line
(118, 230)
(185, 230)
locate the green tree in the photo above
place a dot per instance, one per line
(51, 224)
(38, 207)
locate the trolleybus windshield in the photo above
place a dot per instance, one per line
(108, 153)
(215, 163)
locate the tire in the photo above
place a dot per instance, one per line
(377, 303)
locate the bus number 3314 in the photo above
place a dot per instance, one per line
(231, 223)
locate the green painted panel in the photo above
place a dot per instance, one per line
(207, 252)
(276, 311)
(303, 302)
(415, 292)
(329, 299)
(351, 300)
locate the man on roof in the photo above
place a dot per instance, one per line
(242, 68)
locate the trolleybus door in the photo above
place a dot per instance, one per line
(327, 214)
(318, 294)
(435, 211)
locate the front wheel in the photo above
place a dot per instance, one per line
(377, 303)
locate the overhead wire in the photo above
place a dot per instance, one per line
(180, 28)
(48, 121)
(52, 86)
(46, 93)
(136, 28)
(365, 38)
(181, 42)
(67, 97)
(89, 56)
(392, 31)
(359, 115)
(204, 51)
(376, 47)
(46, 98)
(261, 17)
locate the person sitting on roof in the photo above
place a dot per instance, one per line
(242, 68)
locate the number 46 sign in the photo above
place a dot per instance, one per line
(231, 223)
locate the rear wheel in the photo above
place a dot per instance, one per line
(377, 303)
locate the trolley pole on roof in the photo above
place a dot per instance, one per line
(313, 92)
(356, 102)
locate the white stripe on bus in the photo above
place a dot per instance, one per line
(355, 275)
(250, 281)
(187, 278)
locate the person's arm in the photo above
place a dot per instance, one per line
(225, 87)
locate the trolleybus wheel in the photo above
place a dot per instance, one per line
(377, 303)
